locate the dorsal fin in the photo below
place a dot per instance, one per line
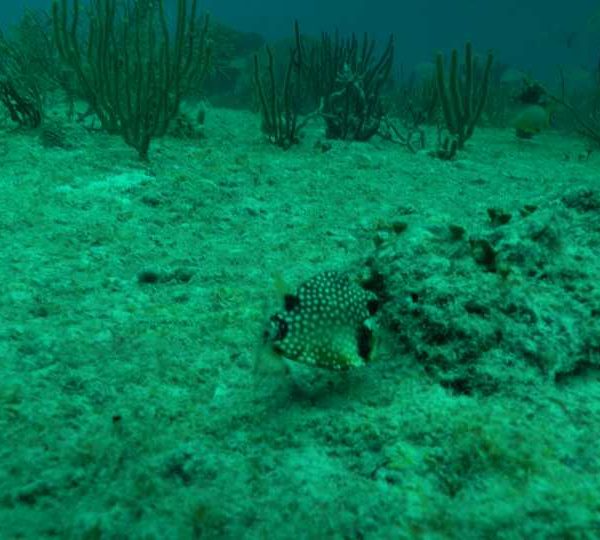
(282, 289)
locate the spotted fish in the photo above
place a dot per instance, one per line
(329, 323)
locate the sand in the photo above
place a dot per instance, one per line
(133, 299)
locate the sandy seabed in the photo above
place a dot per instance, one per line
(133, 298)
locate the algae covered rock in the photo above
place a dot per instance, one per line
(501, 305)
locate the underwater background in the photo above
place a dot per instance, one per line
(325, 270)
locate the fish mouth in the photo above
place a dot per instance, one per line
(276, 330)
